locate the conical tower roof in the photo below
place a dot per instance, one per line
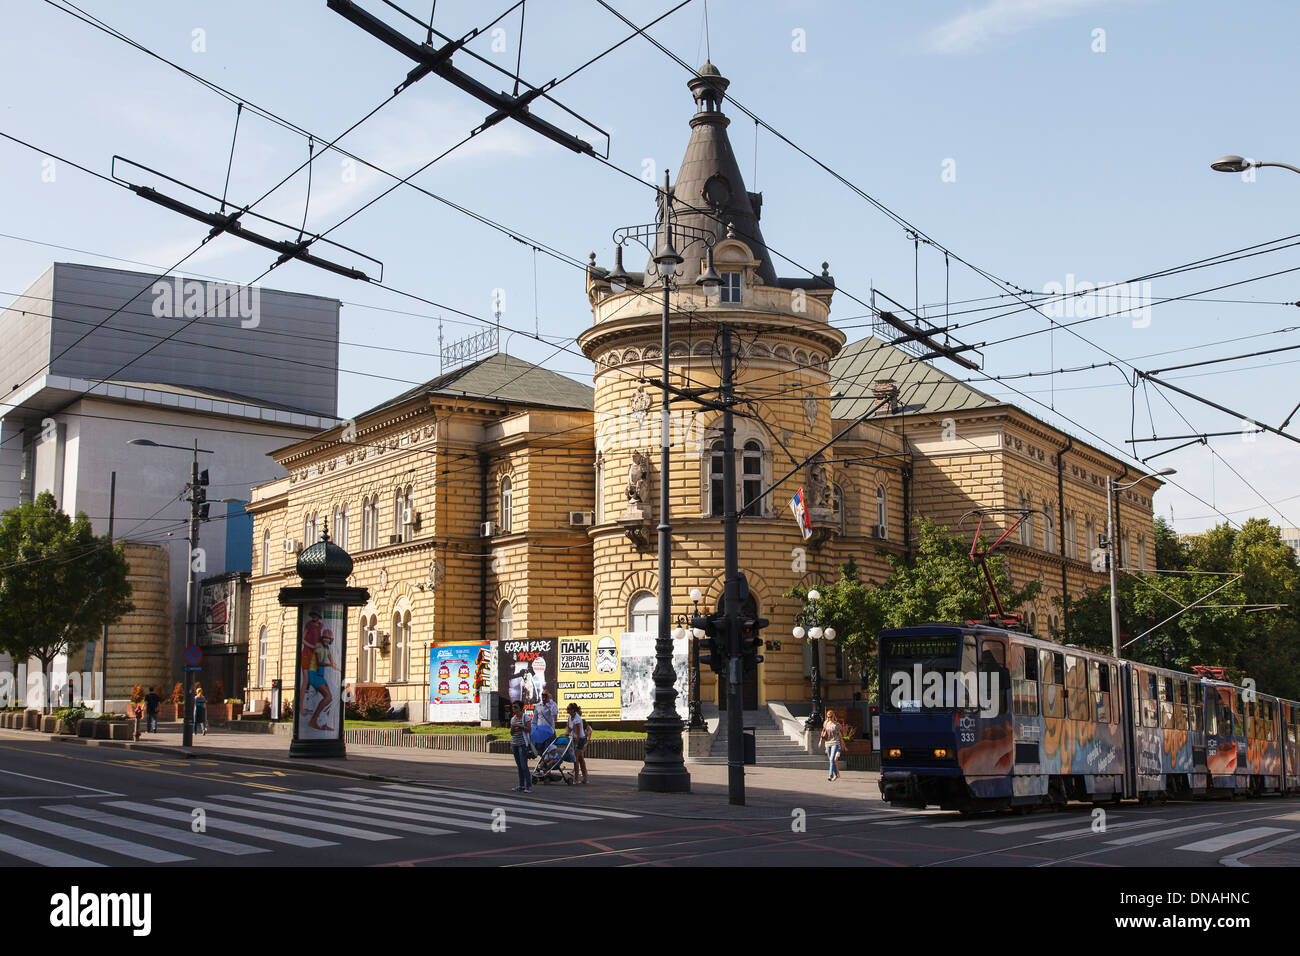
(709, 192)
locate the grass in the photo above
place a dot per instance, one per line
(496, 733)
(381, 724)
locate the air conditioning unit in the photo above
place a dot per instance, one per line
(372, 638)
(581, 519)
(879, 532)
(409, 516)
(487, 529)
(291, 546)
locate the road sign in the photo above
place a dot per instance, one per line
(191, 670)
(193, 657)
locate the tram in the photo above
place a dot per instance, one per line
(976, 717)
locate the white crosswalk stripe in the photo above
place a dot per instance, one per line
(446, 813)
(43, 855)
(186, 836)
(1159, 834)
(1223, 841)
(1087, 830)
(537, 807)
(1026, 827)
(352, 809)
(302, 820)
(136, 851)
(317, 805)
(216, 822)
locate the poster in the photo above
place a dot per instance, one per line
(526, 668)
(637, 664)
(590, 675)
(215, 611)
(320, 663)
(458, 676)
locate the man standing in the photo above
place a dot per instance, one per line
(151, 702)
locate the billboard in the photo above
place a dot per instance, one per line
(320, 650)
(458, 674)
(525, 668)
(637, 664)
(590, 676)
(217, 610)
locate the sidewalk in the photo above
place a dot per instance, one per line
(770, 793)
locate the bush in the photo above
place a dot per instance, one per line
(371, 703)
(178, 693)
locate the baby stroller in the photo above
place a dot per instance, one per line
(551, 762)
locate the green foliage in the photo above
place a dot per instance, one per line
(937, 582)
(371, 703)
(59, 584)
(1262, 644)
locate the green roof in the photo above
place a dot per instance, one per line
(505, 379)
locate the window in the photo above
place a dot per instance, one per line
(507, 505)
(1180, 704)
(1089, 539)
(1099, 683)
(266, 553)
(837, 507)
(366, 659)
(731, 287)
(505, 621)
(643, 613)
(1142, 553)
(1027, 523)
(341, 527)
(1150, 699)
(405, 523)
(309, 531)
(1069, 533)
(262, 646)
(1024, 682)
(1076, 689)
(717, 459)
(401, 647)
(1049, 533)
(1126, 553)
(600, 488)
(751, 479)
(1194, 716)
(1051, 665)
(882, 513)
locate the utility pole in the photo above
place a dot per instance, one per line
(187, 735)
(103, 632)
(731, 593)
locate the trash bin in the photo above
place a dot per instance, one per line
(750, 737)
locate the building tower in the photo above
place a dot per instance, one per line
(783, 344)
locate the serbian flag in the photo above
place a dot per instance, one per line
(800, 509)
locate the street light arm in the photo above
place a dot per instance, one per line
(1283, 165)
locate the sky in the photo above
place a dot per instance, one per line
(1046, 143)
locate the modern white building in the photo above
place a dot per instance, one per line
(95, 358)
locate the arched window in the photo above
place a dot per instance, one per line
(369, 640)
(310, 532)
(1142, 553)
(365, 522)
(1027, 525)
(262, 645)
(401, 669)
(837, 507)
(505, 621)
(339, 527)
(266, 553)
(374, 521)
(1049, 532)
(507, 505)
(1070, 544)
(600, 487)
(882, 513)
(1126, 553)
(751, 478)
(643, 613)
(1089, 539)
(716, 461)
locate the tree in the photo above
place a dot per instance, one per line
(938, 582)
(59, 583)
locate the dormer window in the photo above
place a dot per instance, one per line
(731, 287)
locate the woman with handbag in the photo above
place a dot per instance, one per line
(833, 737)
(519, 733)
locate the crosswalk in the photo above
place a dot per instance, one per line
(1135, 828)
(254, 824)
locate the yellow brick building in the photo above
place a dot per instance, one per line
(504, 500)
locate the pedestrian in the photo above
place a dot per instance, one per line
(151, 702)
(200, 710)
(833, 737)
(519, 732)
(578, 733)
(544, 716)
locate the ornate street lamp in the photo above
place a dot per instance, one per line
(695, 717)
(664, 770)
(806, 628)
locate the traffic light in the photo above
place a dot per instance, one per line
(713, 646)
(751, 639)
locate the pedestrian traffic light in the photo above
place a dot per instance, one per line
(713, 646)
(751, 638)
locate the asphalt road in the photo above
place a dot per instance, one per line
(64, 805)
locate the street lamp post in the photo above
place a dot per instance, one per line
(695, 716)
(664, 770)
(1111, 490)
(1239, 164)
(808, 629)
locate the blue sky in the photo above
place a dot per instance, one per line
(1068, 161)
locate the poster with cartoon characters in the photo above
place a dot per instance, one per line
(458, 675)
(320, 671)
(590, 675)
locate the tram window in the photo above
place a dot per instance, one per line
(1052, 669)
(1150, 701)
(1076, 685)
(1031, 664)
(1238, 727)
(1099, 681)
(1211, 712)
(1058, 668)
(1180, 704)
(1198, 701)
